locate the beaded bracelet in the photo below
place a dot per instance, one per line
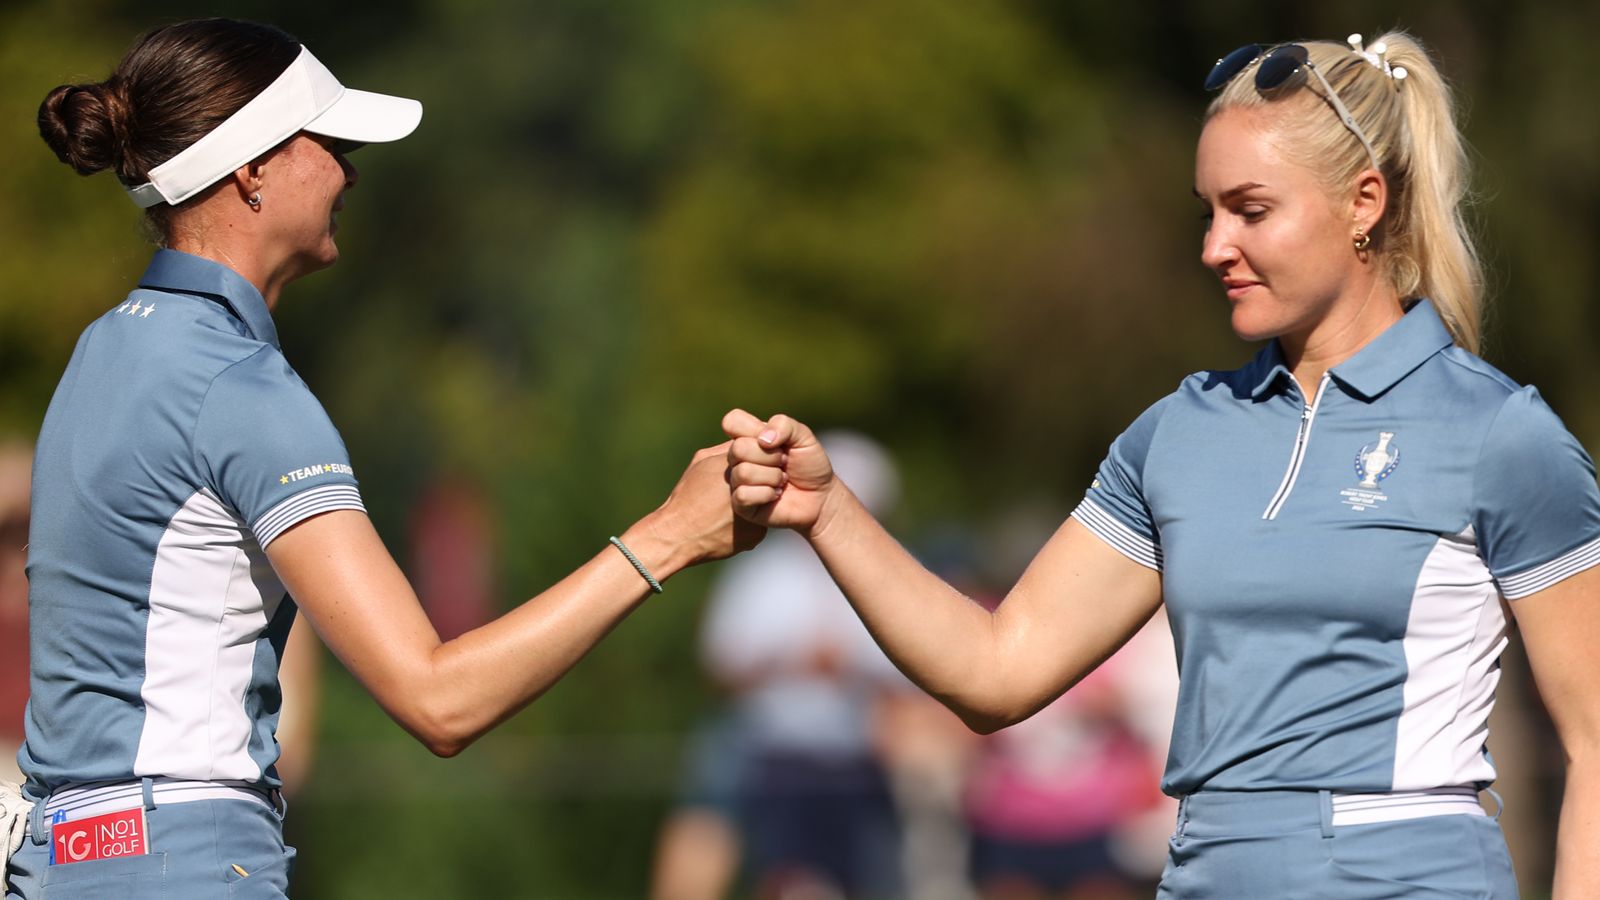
(649, 579)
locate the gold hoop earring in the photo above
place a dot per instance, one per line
(255, 200)
(1362, 240)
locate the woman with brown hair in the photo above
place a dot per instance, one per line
(187, 478)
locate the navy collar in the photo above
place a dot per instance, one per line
(1380, 365)
(174, 270)
(1266, 370)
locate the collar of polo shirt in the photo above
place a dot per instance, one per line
(306, 97)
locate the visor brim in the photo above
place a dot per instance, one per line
(365, 117)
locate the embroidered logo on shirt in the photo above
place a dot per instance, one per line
(1374, 463)
(314, 471)
(134, 308)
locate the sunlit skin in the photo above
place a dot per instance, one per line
(304, 216)
(291, 233)
(1282, 244)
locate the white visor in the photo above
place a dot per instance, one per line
(306, 97)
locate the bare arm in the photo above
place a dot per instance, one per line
(1561, 629)
(448, 694)
(1075, 605)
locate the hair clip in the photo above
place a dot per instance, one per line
(1375, 56)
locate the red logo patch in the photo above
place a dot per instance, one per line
(100, 837)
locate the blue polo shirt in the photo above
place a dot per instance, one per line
(178, 444)
(1333, 566)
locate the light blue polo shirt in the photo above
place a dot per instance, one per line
(178, 444)
(1333, 566)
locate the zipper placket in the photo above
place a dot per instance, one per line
(1307, 418)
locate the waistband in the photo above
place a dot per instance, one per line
(1364, 809)
(86, 800)
(83, 801)
(1232, 812)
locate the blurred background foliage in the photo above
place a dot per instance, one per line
(963, 227)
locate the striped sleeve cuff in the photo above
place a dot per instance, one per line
(1531, 581)
(302, 506)
(1123, 539)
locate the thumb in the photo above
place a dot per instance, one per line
(786, 432)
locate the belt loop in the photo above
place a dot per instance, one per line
(1183, 817)
(147, 787)
(36, 823)
(1325, 812)
(1499, 804)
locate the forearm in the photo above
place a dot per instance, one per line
(479, 679)
(1578, 841)
(449, 694)
(1078, 602)
(939, 638)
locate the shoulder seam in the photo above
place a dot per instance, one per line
(1496, 376)
(194, 446)
(1477, 459)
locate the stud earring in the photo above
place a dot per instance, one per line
(255, 200)
(1362, 240)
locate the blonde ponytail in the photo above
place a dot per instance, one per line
(1431, 252)
(1422, 242)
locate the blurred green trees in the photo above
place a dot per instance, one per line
(963, 227)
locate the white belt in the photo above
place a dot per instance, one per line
(1364, 809)
(95, 799)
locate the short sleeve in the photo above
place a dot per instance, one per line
(266, 447)
(1114, 507)
(1536, 507)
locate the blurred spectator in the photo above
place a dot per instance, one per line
(699, 849)
(807, 806)
(1047, 797)
(794, 780)
(453, 541)
(927, 751)
(299, 677)
(16, 464)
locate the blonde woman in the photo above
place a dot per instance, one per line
(1339, 529)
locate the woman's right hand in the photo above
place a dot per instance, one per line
(695, 524)
(778, 473)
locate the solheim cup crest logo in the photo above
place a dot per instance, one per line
(1376, 461)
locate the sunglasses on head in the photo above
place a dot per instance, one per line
(1273, 71)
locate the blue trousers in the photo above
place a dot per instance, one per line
(1282, 845)
(194, 848)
